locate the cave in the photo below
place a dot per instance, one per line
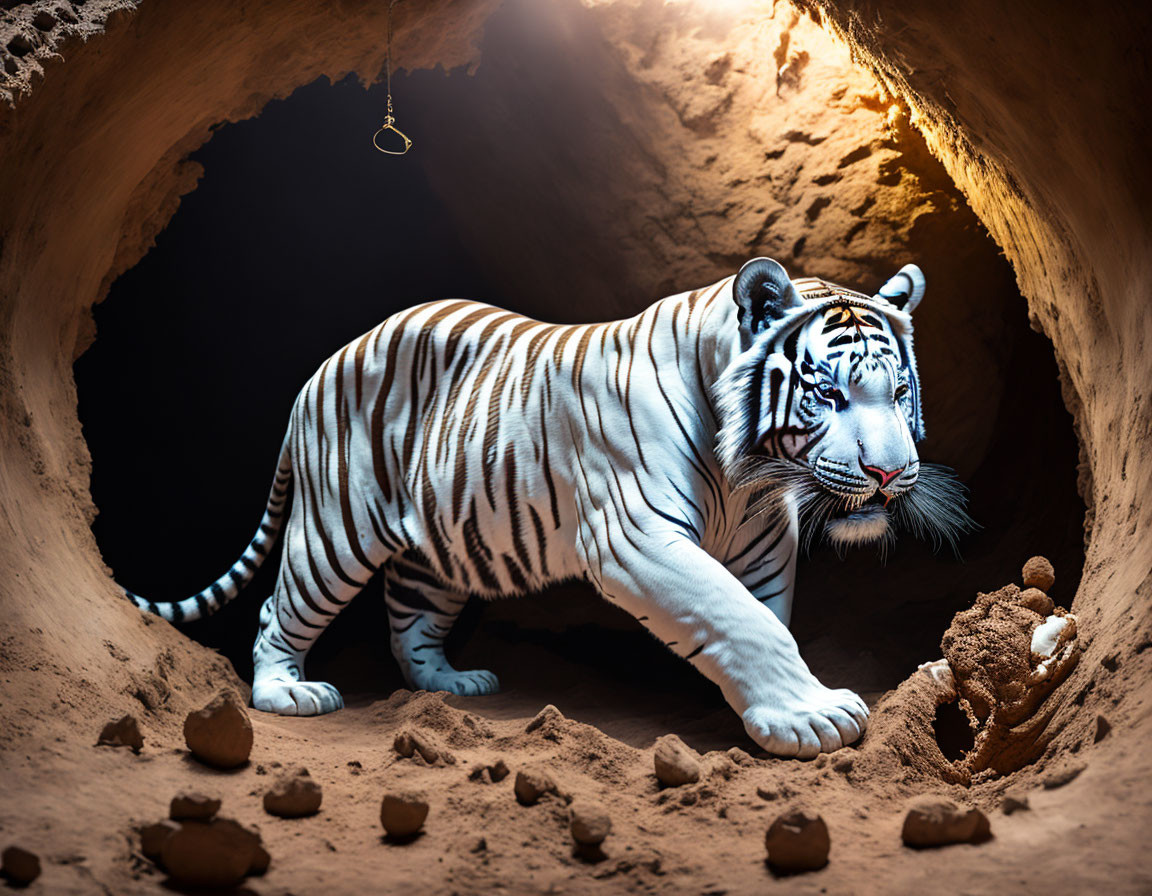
(194, 219)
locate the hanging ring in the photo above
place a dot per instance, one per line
(389, 125)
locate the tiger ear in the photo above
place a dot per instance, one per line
(763, 292)
(905, 290)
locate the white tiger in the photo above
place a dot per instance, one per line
(676, 460)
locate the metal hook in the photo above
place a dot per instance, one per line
(389, 125)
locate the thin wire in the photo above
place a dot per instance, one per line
(389, 119)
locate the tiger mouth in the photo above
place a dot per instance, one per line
(855, 508)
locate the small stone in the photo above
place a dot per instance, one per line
(402, 813)
(218, 853)
(589, 824)
(766, 792)
(295, 794)
(938, 821)
(220, 734)
(1063, 776)
(193, 807)
(1038, 573)
(152, 837)
(1012, 803)
(1103, 727)
(124, 732)
(676, 764)
(797, 841)
(740, 757)
(408, 743)
(20, 866)
(531, 784)
(493, 773)
(1037, 601)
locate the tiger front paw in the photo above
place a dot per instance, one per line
(822, 721)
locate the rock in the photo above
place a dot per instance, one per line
(531, 784)
(193, 807)
(409, 743)
(295, 794)
(493, 773)
(589, 823)
(676, 764)
(124, 732)
(218, 853)
(402, 813)
(1103, 727)
(797, 841)
(152, 837)
(220, 734)
(766, 792)
(1012, 803)
(20, 866)
(1037, 601)
(740, 757)
(1060, 777)
(1038, 573)
(938, 821)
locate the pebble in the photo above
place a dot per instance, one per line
(20, 866)
(676, 764)
(938, 821)
(218, 853)
(152, 837)
(402, 813)
(1012, 803)
(1038, 573)
(493, 773)
(589, 824)
(797, 841)
(531, 784)
(124, 732)
(220, 734)
(1103, 727)
(295, 794)
(1063, 776)
(192, 807)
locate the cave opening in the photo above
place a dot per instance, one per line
(300, 237)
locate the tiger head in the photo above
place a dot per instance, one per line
(822, 404)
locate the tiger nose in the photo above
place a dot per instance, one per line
(883, 477)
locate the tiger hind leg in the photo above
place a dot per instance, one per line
(307, 598)
(421, 612)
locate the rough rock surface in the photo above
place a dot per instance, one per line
(797, 841)
(220, 734)
(939, 821)
(20, 866)
(675, 763)
(152, 837)
(193, 807)
(403, 813)
(124, 732)
(295, 794)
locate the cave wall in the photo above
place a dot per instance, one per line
(93, 155)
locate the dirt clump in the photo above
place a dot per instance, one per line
(220, 734)
(124, 732)
(531, 784)
(491, 773)
(403, 813)
(675, 762)
(939, 821)
(1038, 573)
(218, 853)
(797, 841)
(193, 807)
(295, 794)
(20, 866)
(411, 742)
